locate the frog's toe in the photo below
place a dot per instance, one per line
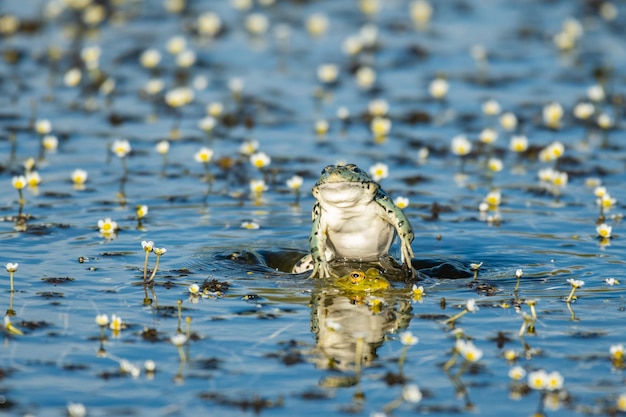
(303, 265)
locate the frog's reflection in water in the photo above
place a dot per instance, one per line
(350, 327)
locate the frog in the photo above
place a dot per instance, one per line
(353, 219)
(359, 281)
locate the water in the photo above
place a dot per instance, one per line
(271, 342)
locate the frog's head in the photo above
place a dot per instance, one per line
(344, 185)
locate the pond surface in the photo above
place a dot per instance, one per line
(262, 340)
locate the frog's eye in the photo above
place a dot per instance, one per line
(327, 169)
(356, 277)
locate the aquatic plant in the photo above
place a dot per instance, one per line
(518, 275)
(575, 284)
(470, 307)
(407, 339)
(11, 269)
(19, 183)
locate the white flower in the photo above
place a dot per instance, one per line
(617, 351)
(121, 147)
(178, 339)
(107, 226)
(551, 152)
(149, 365)
(50, 143)
(365, 77)
(407, 339)
(596, 93)
(128, 368)
(470, 352)
(186, 58)
(260, 159)
(256, 23)
(604, 230)
(491, 107)
(488, 135)
(421, 12)
(516, 373)
(538, 380)
(380, 126)
(583, 110)
(379, 171)
(209, 24)
(495, 164)
(611, 281)
(116, 323)
(79, 176)
(250, 225)
(11, 267)
(343, 113)
(576, 283)
(518, 143)
(215, 109)
(236, 85)
(461, 145)
(176, 44)
(154, 86)
(295, 182)
(327, 73)
(438, 88)
(141, 210)
(102, 320)
(194, 289)
(76, 410)
(150, 58)
(204, 155)
(552, 114)
(508, 121)
(179, 96)
(163, 147)
(519, 272)
(471, 306)
(555, 381)
(321, 127)
(411, 393)
(317, 24)
(33, 179)
(147, 245)
(43, 126)
(72, 77)
(401, 202)
(159, 251)
(207, 123)
(378, 107)
(249, 147)
(19, 182)
(604, 121)
(257, 186)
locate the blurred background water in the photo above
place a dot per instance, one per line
(268, 341)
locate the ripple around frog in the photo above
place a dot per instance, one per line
(279, 262)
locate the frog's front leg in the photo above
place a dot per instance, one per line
(317, 243)
(396, 217)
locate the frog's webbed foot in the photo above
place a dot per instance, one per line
(322, 270)
(408, 269)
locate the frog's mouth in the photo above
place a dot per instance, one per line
(346, 194)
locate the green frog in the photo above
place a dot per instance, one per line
(359, 281)
(353, 219)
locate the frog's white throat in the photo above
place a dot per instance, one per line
(345, 194)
